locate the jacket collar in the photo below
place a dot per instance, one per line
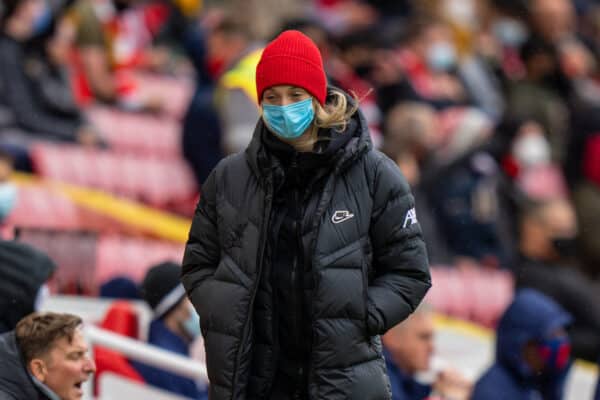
(44, 390)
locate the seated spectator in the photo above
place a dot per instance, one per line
(468, 198)
(429, 59)
(174, 327)
(31, 118)
(46, 66)
(547, 247)
(24, 272)
(45, 358)
(110, 41)
(542, 93)
(408, 350)
(532, 351)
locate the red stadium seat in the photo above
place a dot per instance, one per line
(161, 183)
(476, 294)
(140, 134)
(120, 318)
(44, 208)
(131, 257)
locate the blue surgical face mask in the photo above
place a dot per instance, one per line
(510, 32)
(8, 199)
(290, 121)
(192, 324)
(441, 56)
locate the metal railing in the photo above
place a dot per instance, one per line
(144, 353)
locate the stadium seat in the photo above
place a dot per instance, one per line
(135, 177)
(178, 91)
(137, 134)
(120, 318)
(42, 207)
(476, 294)
(72, 251)
(131, 257)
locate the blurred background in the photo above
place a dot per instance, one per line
(113, 112)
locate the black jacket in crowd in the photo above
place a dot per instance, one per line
(23, 270)
(28, 108)
(304, 270)
(15, 382)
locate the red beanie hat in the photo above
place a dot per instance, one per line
(292, 59)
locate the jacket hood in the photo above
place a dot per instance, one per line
(530, 316)
(14, 378)
(23, 270)
(350, 149)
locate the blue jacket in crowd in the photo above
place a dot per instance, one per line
(162, 337)
(531, 316)
(404, 387)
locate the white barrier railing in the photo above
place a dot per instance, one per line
(144, 353)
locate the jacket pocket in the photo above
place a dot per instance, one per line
(345, 257)
(228, 271)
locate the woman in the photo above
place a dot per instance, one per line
(305, 247)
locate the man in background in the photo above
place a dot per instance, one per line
(409, 349)
(547, 247)
(44, 358)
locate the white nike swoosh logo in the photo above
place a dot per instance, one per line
(341, 216)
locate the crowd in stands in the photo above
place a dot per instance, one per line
(491, 109)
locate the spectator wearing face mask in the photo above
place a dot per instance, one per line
(44, 358)
(24, 272)
(21, 22)
(429, 59)
(174, 327)
(542, 94)
(547, 246)
(532, 352)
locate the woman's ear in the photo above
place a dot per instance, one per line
(38, 369)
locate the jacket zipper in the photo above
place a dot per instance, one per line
(298, 211)
(262, 249)
(319, 211)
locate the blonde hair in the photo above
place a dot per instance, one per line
(334, 114)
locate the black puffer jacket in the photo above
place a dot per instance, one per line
(367, 259)
(15, 383)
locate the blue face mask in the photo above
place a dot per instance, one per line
(192, 324)
(8, 199)
(510, 32)
(441, 56)
(289, 121)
